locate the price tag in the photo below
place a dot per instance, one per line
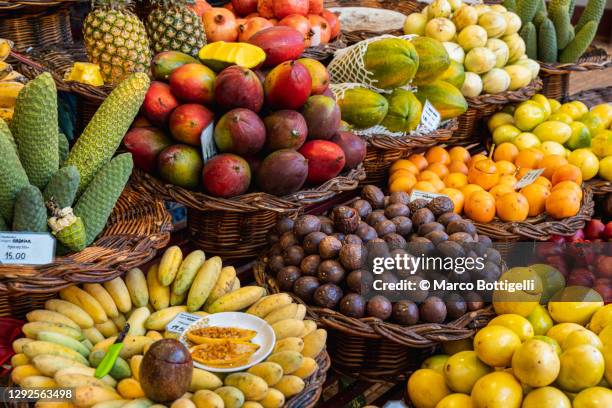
(181, 322)
(425, 195)
(209, 148)
(430, 117)
(315, 38)
(528, 178)
(26, 248)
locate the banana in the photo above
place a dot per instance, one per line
(32, 329)
(37, 348)
(159, 295)
(223, 286)
(187, 272)
(120, 321)
(107, 328)
(9, 92)
(70, 310)
(87, 302)
(137, 320)
(269, 303)
(5, 69)
(238, 300)
(5, 48)
(235, 285)
(63, 340)
(103, 297)
(159, 319)
(120, 294)
(40, 315)
(136, 283)
(93, 335)
(203, 283)
(169, 265)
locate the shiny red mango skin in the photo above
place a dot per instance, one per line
(145, 144)
(280, 44)
(325, 160)
(159, 102)
(239, 87)
(287, 86)
(226, 175)
(188, 121)
(193, 83)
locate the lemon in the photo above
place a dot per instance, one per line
(601, 144)
(495, 345)
(605, 168)
(436, 362)
(549, 147)
(497, 390)
(552, 342)
(463, 369)
(594, 397)
(586, 161)
(601, 319)
(455, 346)
(546, 397)
(572, 110)
(535, 363)
(581, 367)
(500, 118)
(554, 131)
(604, 111)
(455, 401)
(543, 101)
(582, 108)
(595, 123)
(607, 353)
(528, 115)
(560, 331)
(540, 320)
(561, 117)
(505, 133)
(426, 388)
(518, 324)
(574, 304)
(525, 141)
(606, 335)
(554, 105)
(581, 137)
(580, 337)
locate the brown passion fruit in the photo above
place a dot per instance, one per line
(311, 242)
(330, 271)
(422, 216)
(306, 224)
(310, 265)
(375, 217)
(286, 277)
(405, 312)
(327, 295)
(353, 256)
(305, 287)
(433, 310)
(363, 207)
(293, 255)
(373, 195)
(379, 307)
(395, 210)
(353, 305)
(329, 247)
(399, 197)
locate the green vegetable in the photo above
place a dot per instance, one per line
(561, 20)
(526, 10)
(63, 147)
(30, 211)
(63, 186)
(529, 35)
(12, 175)
(510, 5)
(592, 12)
(580, 43)
(547, 42)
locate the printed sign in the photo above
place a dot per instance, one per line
(181, 322)
(26, 248)
(528, 178)
(209, 148)
(425, 195)
(430, 117)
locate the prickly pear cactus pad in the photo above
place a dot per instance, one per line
(12, 175)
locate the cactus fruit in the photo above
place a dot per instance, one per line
(592, 12)
(526, 9)
(30, 211)
(529, 35)
(63, 147)
(580, 43)
(63, 186)
(12, 175)
(561, 20)
(66, 227)
(547, 42)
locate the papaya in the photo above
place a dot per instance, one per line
(362, 107)
(447, 99)
(454, 75)
(433, 59)
(404, 114)
(392, 62)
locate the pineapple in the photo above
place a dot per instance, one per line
(172, 26)
(116, 40)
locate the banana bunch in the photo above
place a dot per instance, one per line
(64, 342)
(11, 82)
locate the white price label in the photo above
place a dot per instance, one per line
(315, 38)
(430, 117)
(209, 148)
(181, 322)
(528, 178)
(26, 248)
(425, 195)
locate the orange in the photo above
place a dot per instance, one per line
(419, 160)
(501, 189)
(528, 158)
(507, 179)
(505, 151)
(438, 184)
(404, 164)
(536, 195)
(505, 167)
(550, 163)
(562, 204)
(475, 158)
(458, 167)
(400, 173)
(484, 173)
(512, 207)
(469, 189)
(480, 207)
(455, 180)
(456, 197)
(438, 168)
(459, 153)
(522, 171)
(427, 175)
(402, 183)
(567, 172)
(568, 185)
(425, 186)
(438, 154)
(543, 181)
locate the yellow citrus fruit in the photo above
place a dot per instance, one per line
(550, 341)
(606, 335)
(505, 168)
(561, 117)
(536, 195)
(518, 324)
(604, 111)
(455, 401)
(497, 390)
(594, 397)
(594, 123)
(436, 362)
(586, 161)
(469, 189)
(505, 151)
(559, 332)
(554, 105)
(540, 320)
(526, 140)
(572, 110)
(553, 131)
(581, 367)
(543, 101)
(535, 363)
(574, 304)
(582, 108)
(463, 369)
(495, 345)
(601, 144)
(404, 164)
(546, 397)
(605, 168)
(601, 319)
(528, 115)
(607, 353)
(580, 337)
(459, 153)
(500, 118)
(426, 388)
(549, 147)
(505, 134)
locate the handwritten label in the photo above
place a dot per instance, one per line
(528, 178)
(181, 322)
(26, 248)
(209, 148)
(430, 117)
(425, 195)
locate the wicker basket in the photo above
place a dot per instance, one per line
(556, 76)
(236, 228)
(374, 350)
(137, 228)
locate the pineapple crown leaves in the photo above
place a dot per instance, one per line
(113, 4)
(171, 3)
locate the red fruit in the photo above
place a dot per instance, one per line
(558, 262)
(328, 92)
(594, 229)
(188, 121)
(282, 172)
(581, 277)
(578, 235)
(220, 25)
(320, 25)
(322, 116)
(226, 175)
(287, 86)
(279, 43)
(180, 165)
(299, 23)
(285, 129)
(229, 6)
(193, 83)
(199, 7)
(605, 290)
(251, 27)
(265, 8)
(145, 144)
(318, 74)
(240, 131)
(238, 87)
(353, 146)
(159, 102)
(284, 8)
(557, 238)
(252, 15)
(325, 160)
(244, 7)
(140, 121)
(333, 21)
(273, 21)
(603, 266)
(607, 232)
(315, 7)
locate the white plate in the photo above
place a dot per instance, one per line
(265, 337)
(369, 19)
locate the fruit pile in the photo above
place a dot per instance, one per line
(569, 131)
(327, 261)
(487, 53)
(11, 82)
(530, 356)
(283, 124)
(80, 186)
(485, 187)
(548, 32)
(67, 339)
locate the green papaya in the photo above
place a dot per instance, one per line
(392, 62)
(454, 75)
(362, 108)
(547, 42)
(528, 34)
(404, 114)
(12, 175)
(526, 10)
(433, 59)
(592, 12)
(447, 99)
(30, 211)
(63, 186)
(63, 147)
(580, 43)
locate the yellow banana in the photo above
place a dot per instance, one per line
(120, 294)
(9, 92)
(103, 297)
(5, 69)
(87, 302)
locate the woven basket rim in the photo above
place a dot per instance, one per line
(442, 134)
(594, 58)
(38, 5)
(506, 97)
(108, 257)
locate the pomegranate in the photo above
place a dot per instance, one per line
(299, 23)
(315, 7)
(252, 26)
(244, 7)
(200, 6)
(284, 8)
(220, 25)
(333, 21)
(265, 8)
(320, 24)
